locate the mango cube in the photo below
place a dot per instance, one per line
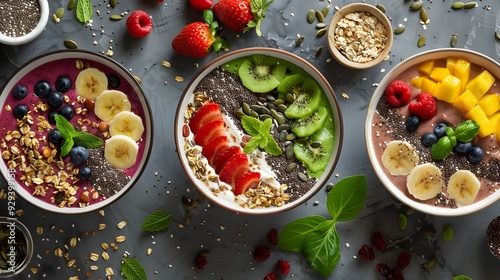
(478, 115)
(450, 64)
(481, 83)
(462, 71)
(495, 121)
(449, 89)
(426, 67)
(439, 73)
(428, 85)
(465, 102)
(417, 81)
(489, 104)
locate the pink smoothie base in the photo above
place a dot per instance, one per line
(397, 184)
(49, 68)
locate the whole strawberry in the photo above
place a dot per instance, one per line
(241, 15)
(198, 39)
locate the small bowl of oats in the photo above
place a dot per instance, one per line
(359, 36)
(22, 21)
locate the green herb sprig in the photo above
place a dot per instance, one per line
(260, 136)
(73, 137)
(83, 10)
(316, 236)
(133, 270)
(464, 132)
(157, 221)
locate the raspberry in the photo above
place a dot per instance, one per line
(395, 274)
(283, 267)
(397, 93)
(261, 253)
(271, 276)
(200, 262)
(139, 24)
(403, 260)
(424, 107)
(379, 241)
(366, 252)
(383, 269)
(272, 235)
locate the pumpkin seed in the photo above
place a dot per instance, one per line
(270, 98)
(70, 44)
(291, 136)
(264, 117)
(60, 12)
(278, 102)
(302, 176)
(319, 50)
(254, 114)
(470, 5)
(112, 3)
(421, 41)
(381, 8)
(71, 4)
(246, 108)
(279, 117)
(271, 106)
(284, 126)
(497, 35)
(299, 40)
(116, 17)
(239, 113)
(320, 25)
(282, 135)
(289, 151)
(325, 11)
(399, 29)
(281, 108)
(319, 16)
(454, 40)
(423, 16)
(290, 167)
(429, 265)
(457, 5)
(415, 6)
(321, 32)
(310, 16)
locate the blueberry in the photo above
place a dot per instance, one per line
(55, 136)
(412, 123)
(78, 155)
(84, 172)
(63, 84)
(475, 154)
(113, 81)
(20, 92)
(42, 89)
(55, 99)
(428, 139)
(52, 116)
(462, 147)
(20, 111)
(67, 111)
(440, 129)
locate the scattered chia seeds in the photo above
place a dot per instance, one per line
(106, 179)
(19, 17)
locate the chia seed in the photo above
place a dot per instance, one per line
(106, 179)
(19, 17)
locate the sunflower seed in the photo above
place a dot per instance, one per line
(381, 8)
(423, 16)
(290, 167)
(415, 6)
(60, 12)
(325, 11)
(470, 5)
(310, 16)
(421, 41)
(319, 16)
(457, 5)
(71, 4)
(70, 44)
(115, 17)
(454, 40)
(399, 29)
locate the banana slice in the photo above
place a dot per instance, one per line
(424, 181)
(127, 123)
(463, 186)
(90, 83)
(399, 158)
(109, 103)
(121, 151)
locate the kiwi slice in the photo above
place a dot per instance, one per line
(315, 153)
(291, 84)
(307, 100)
(259, 74)
(309, 125)
(233, 65)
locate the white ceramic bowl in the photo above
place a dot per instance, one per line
(411, 62)
(187, 97)
(44, 16)
(48, 67)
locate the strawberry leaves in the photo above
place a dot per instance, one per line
(258, 7)
(260, 136)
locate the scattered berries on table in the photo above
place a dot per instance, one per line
(272, 235)
(397, 94)
(366, 252)
(283, 267)
(201, 4)
(271, 276)
(383, 269)
(412, 123)
(395, 274)
(238, 15)
(261, 253)
(200, 262)
(425, 106)
(139, 24)
(403, 259)
(378, 241)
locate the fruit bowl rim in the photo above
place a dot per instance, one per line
(472, 56)
(276, 53)
(40, 26)
(124, 74)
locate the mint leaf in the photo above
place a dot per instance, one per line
(66, 147)
(272, 147)
(87, 140)
(132, 269)
(265, 126)
(251, 125)
(466, 130)
(321, 249)
(346, 198)
(252, 144)
(156, 221)
(260, 132)
(442, 148)
(83, 10)
(64, 126)
(292, 236)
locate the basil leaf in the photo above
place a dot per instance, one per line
(442, 148)
(346, 198)
(87, 140)
(156, 221)
(467, 130)
(83, 10)
(292, 236)
(449, 131)
(321, 249)
(132, 269)
(66, 147)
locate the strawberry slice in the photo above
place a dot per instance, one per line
(206, 113)
(222, 157)
(236, 166)
(213, 147)
(246, 181)
(208, 131)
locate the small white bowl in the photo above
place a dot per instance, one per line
(44, 16)
(412, 62)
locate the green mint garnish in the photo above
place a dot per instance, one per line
(156, 221)
(464, 132)
(133, 270)
(73, 137)
(316, 236)
(83, 10)
(260, 136)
